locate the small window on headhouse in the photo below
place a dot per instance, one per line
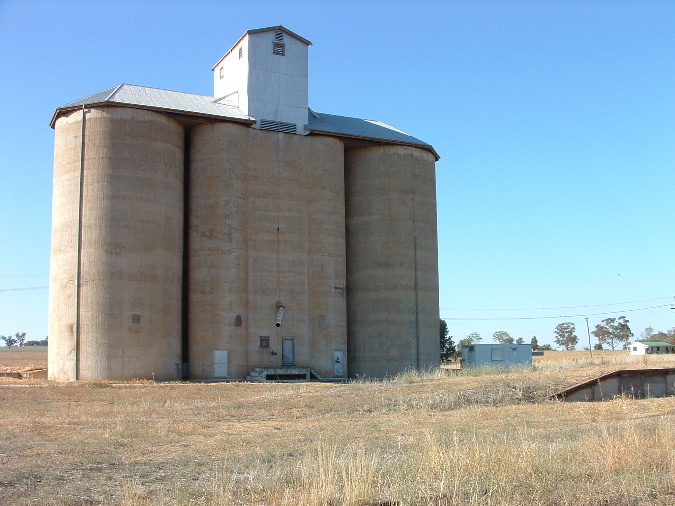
(241, 52)
(135, 318)
(222, 72)
(279, 49)
(264, 341)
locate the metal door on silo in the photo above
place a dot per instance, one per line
(338, 364)
(287, 352)
(220, 364)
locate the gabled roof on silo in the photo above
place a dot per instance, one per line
(366, 129)
(260, 30)
(157, 99)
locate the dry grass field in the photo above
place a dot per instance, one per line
(484, 437)
(22, 359)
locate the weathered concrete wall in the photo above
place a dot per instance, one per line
(392, 260)
(131, 253)
(335, 236)
(266, 226)
(639, 384)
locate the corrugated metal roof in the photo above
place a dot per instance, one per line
(343, 126)
(210, 107)
(158, 99)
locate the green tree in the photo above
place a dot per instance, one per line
(9, 340)
(520, 340)
(17, 339)
(565, 336)
(473, 338)
(668, 337)
(613, 331)
(447, 344)
(502, 337)
(597, 346)
(534, 343)
(36, 343)
(647, 334)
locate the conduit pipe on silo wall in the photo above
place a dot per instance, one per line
(78, 277)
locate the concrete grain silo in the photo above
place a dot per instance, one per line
(266, 231)
(117, 248)
(391, 260)
(241, 235)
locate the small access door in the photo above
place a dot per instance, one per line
(338, 364)
(220, 364)
(287, 352)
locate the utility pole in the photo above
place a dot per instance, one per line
(590, 348)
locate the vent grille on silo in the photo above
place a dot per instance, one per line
(279, 36)
(277, 126)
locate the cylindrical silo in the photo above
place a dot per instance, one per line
(266, 230)
(218, 262)
(392, 260)
(117, 246)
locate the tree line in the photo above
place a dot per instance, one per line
(19, 339)
(611, 332)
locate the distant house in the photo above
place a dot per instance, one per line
(500, 355)
(650, 347)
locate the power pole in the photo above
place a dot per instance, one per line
(590, 348)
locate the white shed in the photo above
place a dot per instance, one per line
(650, 347)
(500, 355)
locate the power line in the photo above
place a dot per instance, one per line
(14, 276)
(556, 317)
(25, 288)
(554, 308)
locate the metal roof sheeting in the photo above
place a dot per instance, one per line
(221, 109)
(343, 126)
(164, 100)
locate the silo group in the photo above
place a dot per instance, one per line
(199, 237)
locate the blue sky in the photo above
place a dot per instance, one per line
(555, 122)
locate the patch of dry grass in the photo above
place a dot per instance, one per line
(431, 438)
(23, 358)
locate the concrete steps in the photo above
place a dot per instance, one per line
(282, 374)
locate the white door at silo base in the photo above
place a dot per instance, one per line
(220, 363)
(287, 352)
(338, 364)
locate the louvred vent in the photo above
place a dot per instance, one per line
(277, 126)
